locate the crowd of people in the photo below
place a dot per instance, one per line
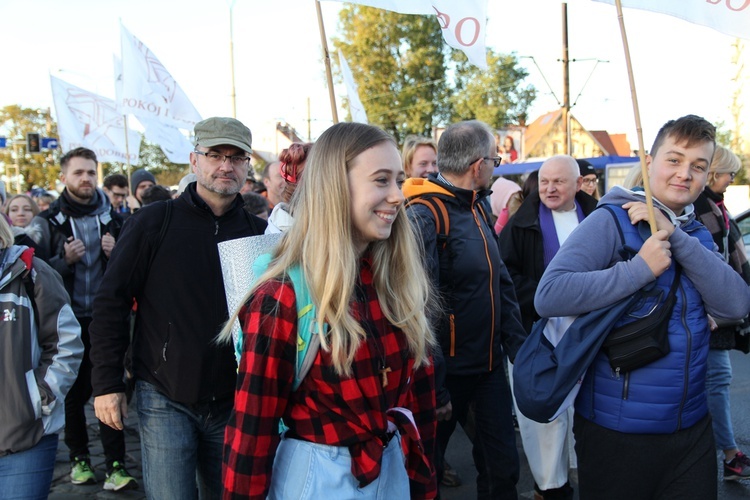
(390, 293)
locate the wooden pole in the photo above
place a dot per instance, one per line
(327, 59)
(566, 81)
(637, 114)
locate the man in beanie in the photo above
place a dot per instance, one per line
(78, 234)
(168, 261)
(140, 180)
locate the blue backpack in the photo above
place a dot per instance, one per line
(308, 338)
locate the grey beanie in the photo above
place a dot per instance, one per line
(140, 175)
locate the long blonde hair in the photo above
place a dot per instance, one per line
(321, 241)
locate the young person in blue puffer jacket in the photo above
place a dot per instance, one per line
(647, 433)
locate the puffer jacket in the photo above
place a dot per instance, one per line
(480, 317)
(668, 394)
(40, 348)
(590, 271)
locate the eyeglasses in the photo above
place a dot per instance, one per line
(589, 181)
(495, 160)
(732, 175)
(218, 158)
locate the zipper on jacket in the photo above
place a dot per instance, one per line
(625, 386)
(491, 277)
(689, 344)
(216, 227)
(164, 347)
(452, 326)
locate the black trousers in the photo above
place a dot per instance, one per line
(76, 433)
(613, 465)
(494, 444)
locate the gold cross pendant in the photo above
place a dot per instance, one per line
(384, 373)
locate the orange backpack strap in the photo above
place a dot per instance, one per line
(440, 213)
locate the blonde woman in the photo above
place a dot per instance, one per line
(349, 417)
(419, 155)
(710, 210)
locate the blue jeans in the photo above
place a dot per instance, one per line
(304, 470)
(718, 378)
(181, 445)
(27, 474)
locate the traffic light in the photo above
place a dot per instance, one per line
(33, 143)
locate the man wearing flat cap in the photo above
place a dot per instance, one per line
(168, 261)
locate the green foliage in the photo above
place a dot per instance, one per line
(493, 96)
(38, 169)
(411, 81)
(398, 62)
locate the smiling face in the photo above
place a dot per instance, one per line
(559, 181)
(375, 179)
(678, 174)
(20, 212)
(424, 162)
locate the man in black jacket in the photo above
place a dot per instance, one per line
(168, 261)
(528, 242)
(480, 321)
(78, 235)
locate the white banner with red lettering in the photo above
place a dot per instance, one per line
(727, 16)
(464, 23)
(148, 89)
(85, 119)
(170, 139)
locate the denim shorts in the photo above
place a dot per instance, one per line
(304, 470)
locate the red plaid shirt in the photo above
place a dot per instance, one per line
(326, 408)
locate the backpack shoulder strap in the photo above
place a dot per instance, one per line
(439, 213)
(162, 231)
(308, 336)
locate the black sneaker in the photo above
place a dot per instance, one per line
(737, 468)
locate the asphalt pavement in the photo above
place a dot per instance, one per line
(459, 455)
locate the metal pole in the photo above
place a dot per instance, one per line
(231, 58)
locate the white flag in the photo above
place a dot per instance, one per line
(727, 16)
(356, 109)
(85, 119)
(172, 142)
(464, 23)
(148, 90)
(170, 139)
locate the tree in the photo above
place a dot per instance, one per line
(398, 62)
(492, 96)
(410, 81)
(38, 169)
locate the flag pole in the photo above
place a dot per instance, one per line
(327, 60)
(127, 147)
(637, 114)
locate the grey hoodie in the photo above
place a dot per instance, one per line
(588, 273)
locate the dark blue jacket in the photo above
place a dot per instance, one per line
(480, 315)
